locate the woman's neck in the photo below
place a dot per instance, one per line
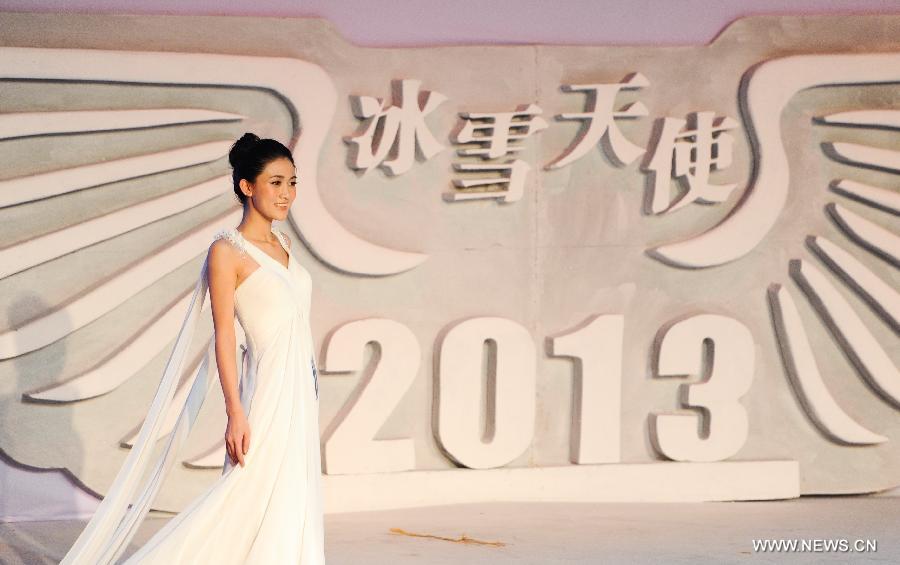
(260, 230)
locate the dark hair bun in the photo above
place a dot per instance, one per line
(249, 156)
(241, 148)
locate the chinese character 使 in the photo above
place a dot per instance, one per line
(690, 155)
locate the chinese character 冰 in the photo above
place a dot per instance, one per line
(394, 131)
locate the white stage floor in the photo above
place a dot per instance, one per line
(547, 533)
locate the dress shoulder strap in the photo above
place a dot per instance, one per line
(234, 237)
(282, 238)
(237, 240)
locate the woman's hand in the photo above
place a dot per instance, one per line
(237, 436)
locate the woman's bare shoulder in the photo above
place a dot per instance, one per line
(228, 238)
(225, 250)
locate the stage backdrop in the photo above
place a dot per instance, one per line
(539, 272)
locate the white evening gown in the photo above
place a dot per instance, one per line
(270, 510)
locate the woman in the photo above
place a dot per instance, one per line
(267, 505)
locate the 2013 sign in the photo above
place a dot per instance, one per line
(596, 346)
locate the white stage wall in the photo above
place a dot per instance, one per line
(581, 272)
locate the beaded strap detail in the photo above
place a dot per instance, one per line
(315, 373)
(234, 237)
(238, 241)
(282, 238)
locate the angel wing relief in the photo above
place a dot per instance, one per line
(96, 142)
(846, 272)
(115, 183)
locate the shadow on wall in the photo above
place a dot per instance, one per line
(27, 492)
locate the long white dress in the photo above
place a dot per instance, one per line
(270, 510)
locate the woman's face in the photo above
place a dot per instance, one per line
(274, 190)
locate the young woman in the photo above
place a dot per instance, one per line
(267, 505)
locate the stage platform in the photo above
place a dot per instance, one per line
(572, 533)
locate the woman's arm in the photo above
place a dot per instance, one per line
(222, 266)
